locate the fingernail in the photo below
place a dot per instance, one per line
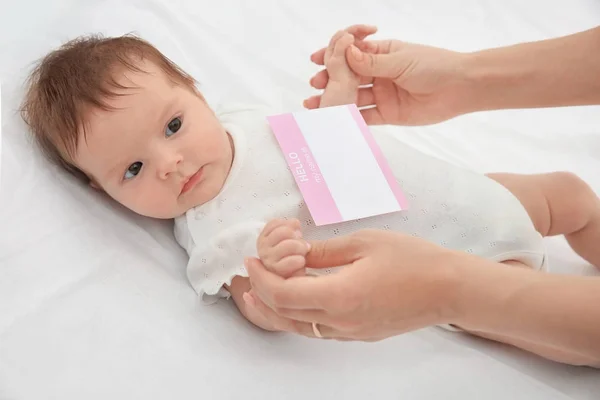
(356, 53)
(308, 246)
(297, 234)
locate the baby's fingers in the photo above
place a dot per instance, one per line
(275, 231)
(341, 45)
(290, 247)
(360, 32)
(276, 223)
(286, 257)
(290, 266)
(281, 247)
(282, 233)
(330, 49)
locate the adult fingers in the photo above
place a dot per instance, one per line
(255, 307)
(334, 252)
(301, 293)
(372, 116)
(365, 97)
(375, 46)
(312, 102)
(375, 65)
(360, 32)
(320, 79)
(318, 57)
(302, 325)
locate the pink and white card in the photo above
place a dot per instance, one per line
(337, 164)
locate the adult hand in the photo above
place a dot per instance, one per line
(391, 283)
(411, 84)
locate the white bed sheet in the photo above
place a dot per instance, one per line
(94, 303)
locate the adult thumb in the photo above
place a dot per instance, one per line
(372, 65)
(334, 252)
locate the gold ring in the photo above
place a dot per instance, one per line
(316, 330)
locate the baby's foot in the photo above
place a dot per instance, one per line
(281, 248)
(342, 87)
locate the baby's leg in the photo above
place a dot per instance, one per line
(560, 203)
(557, 203)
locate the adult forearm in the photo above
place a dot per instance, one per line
(557, 72)
(557, 311)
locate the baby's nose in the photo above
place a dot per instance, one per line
(168, 165)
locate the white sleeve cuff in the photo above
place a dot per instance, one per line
(219, 259)
(212, 288)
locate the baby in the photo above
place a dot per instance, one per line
(122, 117)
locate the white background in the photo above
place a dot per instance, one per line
(94, 303)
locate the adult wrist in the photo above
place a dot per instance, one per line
(469, 293)
(488, 297)
(493, 81)
(448, 275)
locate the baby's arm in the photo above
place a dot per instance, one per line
(342, 87)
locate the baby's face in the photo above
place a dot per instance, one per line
(161, 151)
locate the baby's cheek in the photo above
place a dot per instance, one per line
(153, 202)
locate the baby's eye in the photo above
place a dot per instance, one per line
(133, 170)
(173, 126)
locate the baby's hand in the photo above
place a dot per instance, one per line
(282, 249)
(342, 87)
(335, 60)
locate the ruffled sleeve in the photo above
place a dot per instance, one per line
(215, 263)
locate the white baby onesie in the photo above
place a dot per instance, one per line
(448, 205)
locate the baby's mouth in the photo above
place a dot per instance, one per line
(191, 181)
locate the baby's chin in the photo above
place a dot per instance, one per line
(176, 209)
(166, 215)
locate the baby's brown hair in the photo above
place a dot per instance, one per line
(78, 77)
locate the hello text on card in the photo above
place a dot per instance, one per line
(337, 164)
